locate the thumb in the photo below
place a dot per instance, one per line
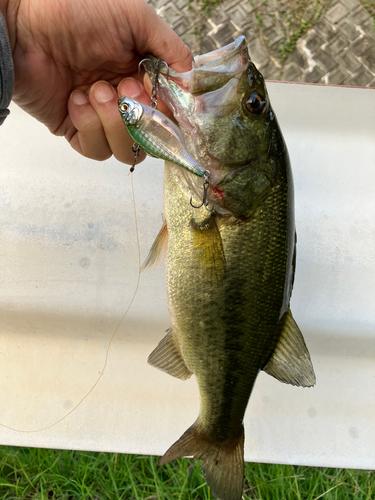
(158, 39)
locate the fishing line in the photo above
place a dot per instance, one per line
(109, 343)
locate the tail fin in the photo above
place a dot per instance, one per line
(223, 463)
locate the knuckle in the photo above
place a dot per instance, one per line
(91, 124)
(100, 155)
(123, 158)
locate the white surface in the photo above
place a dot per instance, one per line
(68, 264)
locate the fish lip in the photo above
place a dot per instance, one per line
(216, 57)
(212, 63)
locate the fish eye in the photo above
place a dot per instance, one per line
(255, 103)
(124, 107)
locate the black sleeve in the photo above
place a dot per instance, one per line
(6, 72)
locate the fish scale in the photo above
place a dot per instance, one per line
(231, 309)
(230, 271)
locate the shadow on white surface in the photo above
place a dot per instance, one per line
(69, 267)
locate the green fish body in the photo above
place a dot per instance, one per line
(229, 271)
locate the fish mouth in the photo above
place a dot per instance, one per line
(213, 70)
(209, 72)
(206, 102)
(214, 78)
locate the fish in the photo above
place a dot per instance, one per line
(229, 268)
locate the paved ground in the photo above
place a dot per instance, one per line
(338, 49)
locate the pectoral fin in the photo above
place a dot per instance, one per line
(208, 245)
(157, 248)
(290, 361)
(167, 357)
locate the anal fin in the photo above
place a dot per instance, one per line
(157, 248)
(290, 362)
(167, 357)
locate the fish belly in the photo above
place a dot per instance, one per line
(228, 288)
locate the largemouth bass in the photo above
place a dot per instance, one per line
(229, 271)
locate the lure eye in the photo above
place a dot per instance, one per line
(255, 103)
(124, 107)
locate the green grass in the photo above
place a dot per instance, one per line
(31, 473)
(291, 17)
(298, 18)
(369, 5)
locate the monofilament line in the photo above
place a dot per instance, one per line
(109, 343)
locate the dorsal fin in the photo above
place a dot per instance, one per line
(290, 361)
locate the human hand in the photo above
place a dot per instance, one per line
(70, 60)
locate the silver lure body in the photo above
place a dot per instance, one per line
(157, 135)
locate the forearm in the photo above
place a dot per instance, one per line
(6, 65)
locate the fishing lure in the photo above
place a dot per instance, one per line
(157, 135)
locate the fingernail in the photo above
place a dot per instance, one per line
(130, 87)
(79, 97)
(103, 92)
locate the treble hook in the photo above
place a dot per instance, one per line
(156, 64)
(206, 185)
